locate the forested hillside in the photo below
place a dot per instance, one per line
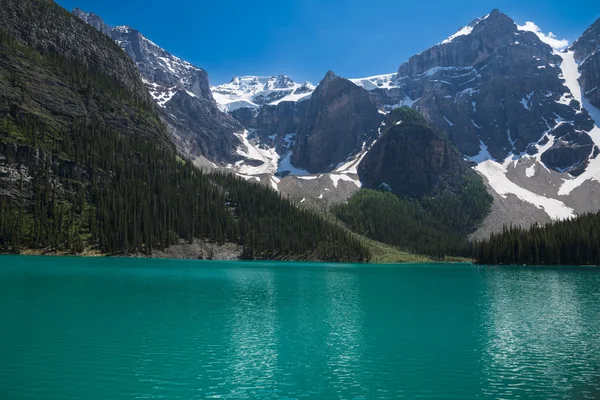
(86, 163)
(570, 242)
(431, 199)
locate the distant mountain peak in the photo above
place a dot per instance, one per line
(253, 91)
(93, 20)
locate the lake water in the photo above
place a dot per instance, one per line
(74, 328)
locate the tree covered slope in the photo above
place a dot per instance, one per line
(86, 163)
(430, 199)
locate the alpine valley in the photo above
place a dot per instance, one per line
(498, 125)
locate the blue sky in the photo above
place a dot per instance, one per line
(306, 38)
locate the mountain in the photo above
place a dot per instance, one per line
(429, 164)
(200, 130)
(517, 105)
(341, 119)
(87, 165)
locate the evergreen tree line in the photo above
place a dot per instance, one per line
(109, 179)
(434, 226)
(570, 242)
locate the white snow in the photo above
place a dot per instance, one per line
(335, 178)
(510, 139)
(571, 75)
(275, 182)
(386, 81)
(286, 165)
(321, 196)
(565, 99)
(526, 101)
(461, 32)
(303, 200)
(530, 171)
(252, 91)
(449, 123)
(550, 38)
(248, 150)
(308, 178)
(162, 98)
(497, 179)
(483, 155)
(475, 125)
(295, 97)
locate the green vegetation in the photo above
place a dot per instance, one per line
(571, 242)
(437, 200)
(404, 223)
(87, 164)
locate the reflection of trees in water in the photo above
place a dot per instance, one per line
(541, 333)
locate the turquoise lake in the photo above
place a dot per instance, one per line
(76, 328)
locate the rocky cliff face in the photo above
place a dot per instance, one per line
(411, 158)
(496, 84)
(93, 20)
(341, 118)
(587, 54)
(183, 93)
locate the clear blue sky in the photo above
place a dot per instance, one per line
(306, 38)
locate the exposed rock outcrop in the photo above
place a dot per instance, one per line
(340, 119)
(587, 54)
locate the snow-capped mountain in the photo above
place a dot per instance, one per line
(518, 106)
(255, 91)
(182, 91)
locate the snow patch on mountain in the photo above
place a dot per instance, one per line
(464, 31)
(495, 173)
(386, 81)
(254, 91)
(266, 159)
(550, 38)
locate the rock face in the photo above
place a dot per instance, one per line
(341, 118)
(183, 93)
(93, 20)
(272, 121)
(411, 158)
(587, 54)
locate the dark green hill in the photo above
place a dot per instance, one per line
(85, 161)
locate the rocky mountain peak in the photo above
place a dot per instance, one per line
(586, 51)
(588, 43)
(341, 119)
(93, 20)
(329, 76)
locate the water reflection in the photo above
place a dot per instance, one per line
(542, 334)
(344, 339)
(252, 354)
